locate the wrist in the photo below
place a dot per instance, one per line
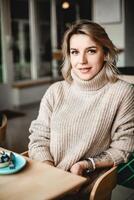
(91, 164)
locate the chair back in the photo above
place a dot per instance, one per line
(3, 128)
(104, 185)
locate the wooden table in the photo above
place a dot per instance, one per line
(38, 181)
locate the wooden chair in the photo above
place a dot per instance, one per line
(103, 187)
(3, 128)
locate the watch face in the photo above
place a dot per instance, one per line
(88, 172)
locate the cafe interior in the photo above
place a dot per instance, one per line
(31, 33)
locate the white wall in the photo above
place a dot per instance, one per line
(115, 30)
(117, 35)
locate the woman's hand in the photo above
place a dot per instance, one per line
(79, 167)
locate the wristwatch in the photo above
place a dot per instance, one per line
(91, 163)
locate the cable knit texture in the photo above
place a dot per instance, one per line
(83, 119)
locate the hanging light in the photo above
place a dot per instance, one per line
(65, 5)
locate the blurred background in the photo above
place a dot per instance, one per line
(30, 41)
(31, 33)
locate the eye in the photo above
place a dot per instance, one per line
(91, 51)
(74, 52)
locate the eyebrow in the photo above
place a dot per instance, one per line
(91, 47)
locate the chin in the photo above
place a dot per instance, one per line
(86, 78)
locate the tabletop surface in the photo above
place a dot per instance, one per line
(38, 181)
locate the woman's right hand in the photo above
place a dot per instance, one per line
(79, 167)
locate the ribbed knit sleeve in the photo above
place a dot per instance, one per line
(123, 129)
(39, 146)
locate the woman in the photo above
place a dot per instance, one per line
(85, 122)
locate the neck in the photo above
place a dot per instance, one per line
(95, 83)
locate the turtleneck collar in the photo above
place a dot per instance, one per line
(94, 84)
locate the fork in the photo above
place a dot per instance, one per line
(12, 161)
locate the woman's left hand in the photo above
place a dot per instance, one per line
(79, 167)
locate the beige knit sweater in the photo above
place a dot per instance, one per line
(82, 120)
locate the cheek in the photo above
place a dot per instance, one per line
(98, 61)
(73, 61)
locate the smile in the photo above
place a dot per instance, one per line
(85, 70)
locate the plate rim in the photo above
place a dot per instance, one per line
(13, 171)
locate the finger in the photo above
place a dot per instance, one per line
(75, 169)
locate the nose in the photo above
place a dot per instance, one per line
(82, 58)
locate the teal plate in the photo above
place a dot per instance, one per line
(20, 162)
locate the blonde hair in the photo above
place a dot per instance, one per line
(97, 34)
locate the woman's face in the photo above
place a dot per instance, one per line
(86, 56)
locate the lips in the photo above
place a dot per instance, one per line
(85, 70)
